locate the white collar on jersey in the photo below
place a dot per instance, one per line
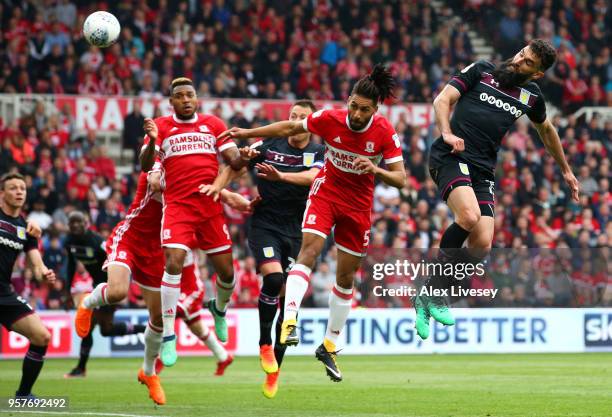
(192, 120)
(362, 130)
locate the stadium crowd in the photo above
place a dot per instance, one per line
(580, 30)
(270, 51)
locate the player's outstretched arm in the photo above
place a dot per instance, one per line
(395, 175)
(442, 105)
(552, 142)
(39, 268)
(278, 129)
(270, 173)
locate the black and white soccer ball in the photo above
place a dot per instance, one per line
(101, 29)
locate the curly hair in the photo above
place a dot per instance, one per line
(545, 51)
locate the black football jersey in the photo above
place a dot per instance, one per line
(282, 206)
(485, 112)
(13, 241)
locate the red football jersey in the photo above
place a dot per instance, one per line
(142, 224)
(339, 181)
(188, 152)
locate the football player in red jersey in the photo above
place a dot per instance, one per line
(134, 249)
(357, 139)
(187, 144)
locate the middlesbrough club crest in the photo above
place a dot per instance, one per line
(369, 147)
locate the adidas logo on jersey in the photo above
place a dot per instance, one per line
(500, 104)
(173, 129)
(337, 139)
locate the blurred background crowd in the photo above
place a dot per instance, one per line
(315, 49)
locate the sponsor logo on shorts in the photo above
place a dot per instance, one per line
(312, 219)
(166, 234)
(597, 330)
(464, 168)
(500, 104)
(122, 255)
(268, 252)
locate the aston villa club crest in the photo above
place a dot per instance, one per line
(21, 233)
(524, 97)
(308, 159)
(369, 147)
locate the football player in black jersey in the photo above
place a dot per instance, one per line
(285, 169)
(487, 101)
(87, 247)
(15, 313)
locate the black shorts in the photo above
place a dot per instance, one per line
(12, 308)
(454, 173)
(270, 246)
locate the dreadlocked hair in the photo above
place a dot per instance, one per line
(377, 86)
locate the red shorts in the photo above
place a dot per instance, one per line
(146, 265)
(189, 306)
(195, 222)
(351, 227)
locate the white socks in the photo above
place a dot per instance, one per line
(224, 293)
(170, 293)
(297, 285)
(152, 341)
(340, 300)
(97, 298)
(213, 344)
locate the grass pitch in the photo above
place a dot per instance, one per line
(374, 386)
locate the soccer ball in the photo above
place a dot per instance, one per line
(101, 29)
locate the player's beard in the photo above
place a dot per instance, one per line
(507, 77)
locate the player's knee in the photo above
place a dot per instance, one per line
(106, 329)
(41, 337)
(174, 261)
(468, 218)
(481, 242)
(308, 255)
(226, 273)
(272, 284)
(116, 293)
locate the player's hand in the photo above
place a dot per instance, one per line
(365, 165)
(33, 229)
(237, 201)
(573, 184)
(254, 203)
(247, 153)
(455, 142)
(154, 180)
(210, 190)
(235, 133)
(48, 275)
(150, 128)
(268, 172)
